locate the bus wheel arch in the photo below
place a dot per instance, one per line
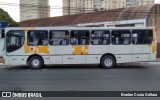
(35, 61)
(110, 58)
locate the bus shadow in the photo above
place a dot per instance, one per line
(73, 67)
(131, 66)
(20, 67)
(50, 67)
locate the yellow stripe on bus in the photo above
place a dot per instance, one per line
(36, 49)
(80, 49)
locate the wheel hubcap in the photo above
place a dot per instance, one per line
(35, 63)
(108, 62)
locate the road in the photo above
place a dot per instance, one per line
(126, 77)
(80, 78)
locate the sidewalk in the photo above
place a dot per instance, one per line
(157, 61)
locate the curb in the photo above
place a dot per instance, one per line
(151, 63)
(154, 63)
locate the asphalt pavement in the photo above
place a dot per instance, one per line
(80, 78)
(125, 77)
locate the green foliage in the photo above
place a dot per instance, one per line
(4, 16)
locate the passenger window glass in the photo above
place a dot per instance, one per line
(121, 37)
(80, 37)
(59, 38)
(142, 36)
(14, 40)
(38, 37)
(100, 37)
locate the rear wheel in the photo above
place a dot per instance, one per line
(108, 62)
(36, 62)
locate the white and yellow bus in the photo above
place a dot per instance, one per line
(41, 46)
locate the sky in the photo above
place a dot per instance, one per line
(13, 10)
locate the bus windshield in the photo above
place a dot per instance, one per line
(14, 40)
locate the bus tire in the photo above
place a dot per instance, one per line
(36, 62)
(108, 62)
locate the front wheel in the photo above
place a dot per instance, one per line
(108, 62)
(36, 62)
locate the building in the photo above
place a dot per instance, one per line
(33, 9)
(77, 6)
(83, 6)
(144, 16)
(100, 5)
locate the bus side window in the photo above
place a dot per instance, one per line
(121, 37)
(58, 37)
(79, 37)
(37, 37)
(142, 37)
(99, 37)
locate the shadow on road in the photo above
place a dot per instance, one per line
(50, 67)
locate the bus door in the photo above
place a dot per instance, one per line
(121, 45)
(141, 40)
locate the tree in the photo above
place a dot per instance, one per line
(4, 16)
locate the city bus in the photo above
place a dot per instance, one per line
(105, 46)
